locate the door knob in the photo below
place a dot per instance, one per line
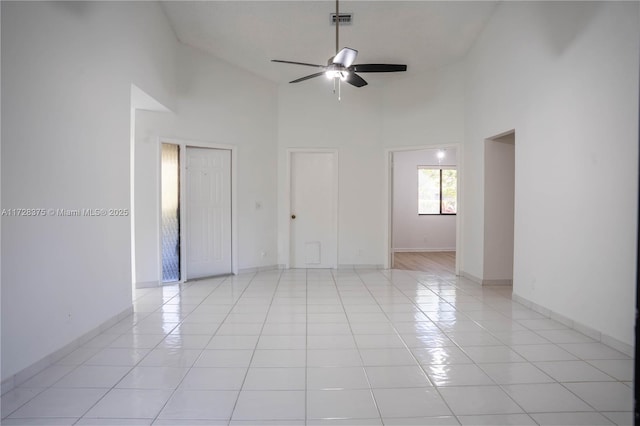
(293, 216)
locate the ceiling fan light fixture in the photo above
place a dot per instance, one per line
(332, 74)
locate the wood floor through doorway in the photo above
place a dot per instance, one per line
(435, 262)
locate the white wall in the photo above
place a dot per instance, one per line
(413, 232)
(499, 183)
(394, 110)
(67, 70)
(565, 77)
(220, 104)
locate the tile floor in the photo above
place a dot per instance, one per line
(322, 347)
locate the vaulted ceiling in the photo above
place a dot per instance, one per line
(424, 35)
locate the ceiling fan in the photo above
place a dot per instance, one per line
(341, 67)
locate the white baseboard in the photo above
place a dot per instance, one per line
(482, 281)
(612, 342)
(255, 269)
(471, 277)
(422, 250)
(148, 284)
(25, 374)
(497, 282)
(346, 266)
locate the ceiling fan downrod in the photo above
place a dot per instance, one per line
(337, 27)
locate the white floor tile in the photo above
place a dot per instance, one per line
(402, 376)
(545, 352)
(604, 396)
(444, 355)
(387, 356)
(571, 419)
(171, 357)
(282, 342)
(270, 405)
(621, 369)
(47, 377)
(14, 399)
(328, 329)
(118, 357)
(371, 341)
(214, 379)
(621, 418)
(187, 341)
(410, 402)
(497, 419)
(60, 403)
(515, 373)
(199, 405)
(593, 350)
(326, 378)
(279, 358)
(153, 378)
(113, 422)
(130, 403)
(345, 422)
(476, 400)
(333, 358)
(224, 358)
(233, 342)
(349, 404)
(488, 354)
(42, 421)
(275, 379)
(421, 421)
(573, 371)
(540, 398)
(458, 375)
(92, 376)
(331, 342)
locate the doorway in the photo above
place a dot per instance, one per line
(313, 201)
(499, 201)
(197, 230)
(424, 215)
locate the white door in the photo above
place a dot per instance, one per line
(313, 210)
(208, 210)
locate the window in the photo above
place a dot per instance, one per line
(437, 190)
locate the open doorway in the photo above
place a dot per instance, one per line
(423, 201)
(499, 200)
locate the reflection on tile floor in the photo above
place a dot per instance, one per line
(321, 347)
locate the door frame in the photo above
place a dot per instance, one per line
(287, 198)
(183, 144)
(388, 190)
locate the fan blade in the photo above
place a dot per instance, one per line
(307, 77)
(355, 80)
(378, 68)
(345, 57)
(298, 63)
